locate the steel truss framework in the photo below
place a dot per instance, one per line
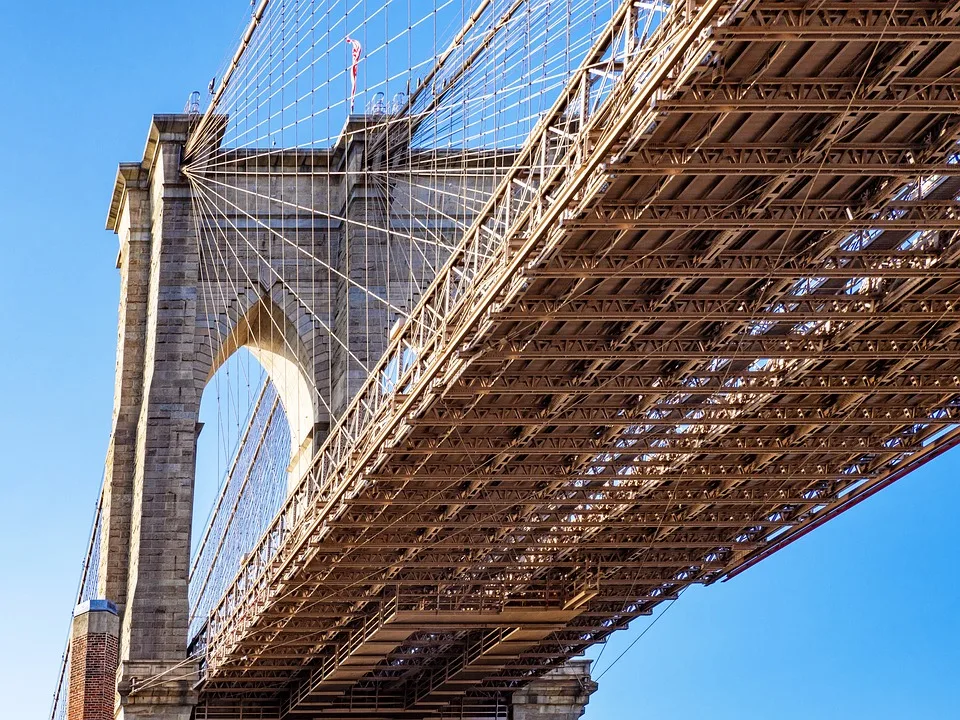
(709, 308)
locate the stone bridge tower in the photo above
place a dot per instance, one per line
(188, 300)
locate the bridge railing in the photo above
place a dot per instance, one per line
(87, 590)
(559, 167)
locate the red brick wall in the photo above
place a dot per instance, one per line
(93, 670)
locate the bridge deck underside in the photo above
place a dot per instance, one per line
(740, 334)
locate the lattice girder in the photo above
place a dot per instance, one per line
(704, 312)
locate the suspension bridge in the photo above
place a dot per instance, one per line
(550, 309)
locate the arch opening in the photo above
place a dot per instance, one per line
(258, 415)
(271, 338)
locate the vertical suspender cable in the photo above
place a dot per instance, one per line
(244, 43)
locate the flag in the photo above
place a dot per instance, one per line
(357, 52)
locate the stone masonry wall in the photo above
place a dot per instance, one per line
(202, 275)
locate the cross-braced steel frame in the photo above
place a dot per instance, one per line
(714, 304)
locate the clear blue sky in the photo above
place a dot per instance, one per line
(858, 620)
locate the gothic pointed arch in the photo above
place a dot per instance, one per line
(268, 324)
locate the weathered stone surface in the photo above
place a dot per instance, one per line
(156, 690)
(561, 694)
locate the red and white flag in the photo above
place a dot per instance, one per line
(357, 52)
